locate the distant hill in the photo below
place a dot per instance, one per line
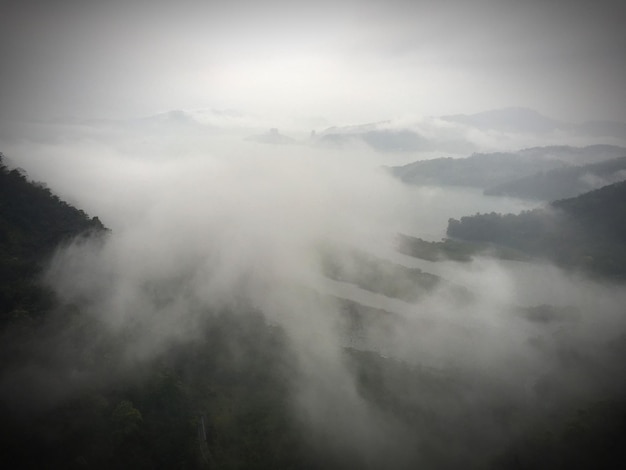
(377, 136)
(563, 183)
(575, 155)
(513, 119)
(62, 389)
(493, 171)
(586, 232)
(480, 170)
(453, 133)
(529, 121)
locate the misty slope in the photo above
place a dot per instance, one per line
(107, 381)
(380, 276)
(529, 121)
(493, 170)
(563, 183)
(33, 222)
(514, 119)
(479, 170)
(376, 136)
(69, 391)
(587, 232)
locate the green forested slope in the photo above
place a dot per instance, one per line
(563, 183)
(70, 399)
(588, 231)
(33, 222)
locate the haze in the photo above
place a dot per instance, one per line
(346, 62)
(186, 128)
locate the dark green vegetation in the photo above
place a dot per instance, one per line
(377, 275)
(544, 173)
(84, 408)
(587, 232)
(455, 250)
(589, 437)
(33, 222)
(379, 139)
(70, 398)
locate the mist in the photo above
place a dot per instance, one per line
(345, 61)
(240, 156)
(225, 225)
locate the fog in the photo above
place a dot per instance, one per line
(149, 118)
(219, 224)
(345, 61)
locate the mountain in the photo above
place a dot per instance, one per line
(514, 119)
(68, 389)
(480, 170)
(33, 222)
(562, 183)
(528, 121)
(376, 135)
(494, 171)
(457, 133)
(575, 155)
(586, 232)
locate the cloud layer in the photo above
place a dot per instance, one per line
(229, 225)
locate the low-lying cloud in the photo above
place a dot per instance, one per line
(212, 227)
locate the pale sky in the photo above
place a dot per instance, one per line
(347, 61)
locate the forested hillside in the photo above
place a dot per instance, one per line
(33, 222)
(587, 232)
(480, 170)
(69, 398)
(562, 183)
(544, 173)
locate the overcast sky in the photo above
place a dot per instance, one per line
(350, 61)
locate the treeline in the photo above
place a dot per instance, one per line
(455, 250)
(480, 170)
(587, 232)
